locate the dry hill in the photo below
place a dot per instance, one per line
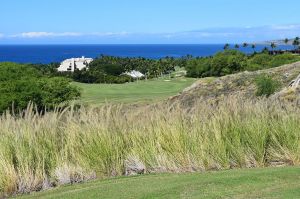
(241, 84)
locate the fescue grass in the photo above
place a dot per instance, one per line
(245, 183)
(135, 92)
(75, 145)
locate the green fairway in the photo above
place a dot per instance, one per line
(248, 183)
(140, 91)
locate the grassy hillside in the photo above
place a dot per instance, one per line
(249, 183)
(240, 84)
(141, 91)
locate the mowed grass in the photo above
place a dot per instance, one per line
(246, 183)
(140, 91)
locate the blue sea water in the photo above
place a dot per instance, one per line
(57, 53)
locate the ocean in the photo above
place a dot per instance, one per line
(57, 53)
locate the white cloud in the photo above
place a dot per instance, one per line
(67, 34)
(45, 34)
(1, 35)
(34, 34)
(286, 27)
(108, 34)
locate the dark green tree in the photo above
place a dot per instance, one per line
(296, 43)
(253, 46)
(286, 41)
(273, 45)
(226, 46)
(245, 45)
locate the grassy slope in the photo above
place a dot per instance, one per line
(151, 90)
(242, 84)
(248, 183)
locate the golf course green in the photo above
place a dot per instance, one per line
(134, 92)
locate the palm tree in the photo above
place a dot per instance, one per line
(286, 41)
(245, 45)
(236, 46)
(226, 46)
(273, 45)
(296, 42)
(253, 46)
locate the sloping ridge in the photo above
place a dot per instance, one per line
(241, 84)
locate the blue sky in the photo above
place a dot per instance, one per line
(147, 21)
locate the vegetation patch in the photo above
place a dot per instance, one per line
(21, 84)
(233, 61)
(266, 85)
(76, 145)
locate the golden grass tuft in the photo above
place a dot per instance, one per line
(74, 145)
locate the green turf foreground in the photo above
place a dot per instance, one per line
(140, 91)
(248, 183)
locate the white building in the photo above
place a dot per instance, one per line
(74, 63)
(135, 74)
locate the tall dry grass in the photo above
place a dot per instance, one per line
(41, 151)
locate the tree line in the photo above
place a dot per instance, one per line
(295, 42)
(110, 69)
(232, 61)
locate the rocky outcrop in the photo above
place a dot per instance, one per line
(295, 83)
(134, 166)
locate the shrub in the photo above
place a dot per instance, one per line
(266, 86)
(258, 62)
(21, 84)
(198, 67)
(227, 62)
(56, 91)
(286, 58)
